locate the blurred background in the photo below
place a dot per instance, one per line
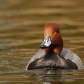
(21, 30)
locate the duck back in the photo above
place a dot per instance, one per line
(51, 60)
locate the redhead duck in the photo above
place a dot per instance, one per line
(52, 55)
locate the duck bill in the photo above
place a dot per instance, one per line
(46, 43)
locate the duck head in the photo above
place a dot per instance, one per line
(52, 39)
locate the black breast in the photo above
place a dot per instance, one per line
(50, 61)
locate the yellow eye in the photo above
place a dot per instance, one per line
(54, 32)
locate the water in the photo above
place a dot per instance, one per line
(21, 33)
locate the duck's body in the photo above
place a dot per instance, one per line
(52, 55)
(66, 60)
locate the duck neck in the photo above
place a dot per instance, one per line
(56, 49)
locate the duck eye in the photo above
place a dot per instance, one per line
(54, 33)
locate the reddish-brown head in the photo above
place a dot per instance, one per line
(52, 39)
(51, 28)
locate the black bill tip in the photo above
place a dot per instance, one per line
(43, 46)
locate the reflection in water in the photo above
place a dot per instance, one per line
(21, 33)
(42, 77)
(52, 75)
